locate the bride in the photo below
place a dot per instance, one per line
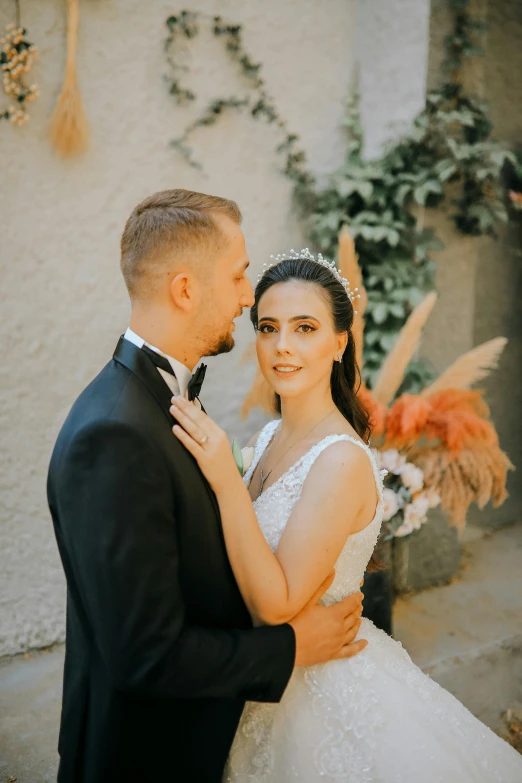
(312, 501)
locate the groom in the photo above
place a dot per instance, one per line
(161, 654)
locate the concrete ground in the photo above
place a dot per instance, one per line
(468, 635)
(30, 695)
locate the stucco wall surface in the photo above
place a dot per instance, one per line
(391, 56)
(63, 302)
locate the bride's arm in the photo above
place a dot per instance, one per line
(275, 587)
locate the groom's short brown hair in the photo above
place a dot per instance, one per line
(174, 222)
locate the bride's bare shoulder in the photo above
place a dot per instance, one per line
(339, 426)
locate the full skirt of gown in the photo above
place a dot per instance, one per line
(374, 718)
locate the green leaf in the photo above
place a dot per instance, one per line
(397, 310)
(388, 340)
(380, 313)
(421, 193)
(365, 189)
(238, 456)
(445, 169)
(401, 193)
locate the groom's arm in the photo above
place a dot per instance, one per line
(113, 498)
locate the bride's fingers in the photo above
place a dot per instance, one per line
(352, 619)
(350, 604)
(349, 650)
(188, 425)
(188, 441)
(194, 414)
(207, 425)
(351, 633)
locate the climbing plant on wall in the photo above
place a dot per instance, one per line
(381, 200)
(256, 100)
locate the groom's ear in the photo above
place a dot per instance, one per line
(183, 291)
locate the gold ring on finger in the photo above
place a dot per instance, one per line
(203, 440)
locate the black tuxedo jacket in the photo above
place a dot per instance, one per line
(160, 650)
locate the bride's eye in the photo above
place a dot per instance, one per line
(266, 329)
(305, 328)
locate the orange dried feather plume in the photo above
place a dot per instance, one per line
(406, 420)
(471, 400)
(460, 419)
(457, 418)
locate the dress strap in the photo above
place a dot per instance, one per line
(305, 465)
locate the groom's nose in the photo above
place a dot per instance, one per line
(247, 295)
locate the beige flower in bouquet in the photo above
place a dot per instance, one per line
(243, 457)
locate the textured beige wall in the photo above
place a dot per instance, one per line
(63, 303)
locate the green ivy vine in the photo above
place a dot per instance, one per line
(380, 200)
(257, 101)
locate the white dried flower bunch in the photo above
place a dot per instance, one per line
(17, 57)
(406, 500)
(308, 256)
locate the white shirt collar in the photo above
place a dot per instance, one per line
(181, 371)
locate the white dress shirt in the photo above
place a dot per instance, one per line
(178, 384)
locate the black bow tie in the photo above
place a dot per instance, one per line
(195, 383)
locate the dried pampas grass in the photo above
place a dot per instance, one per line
(69, 132)
(348, 263)
(395, 364)
(475, 475)
(470, 368)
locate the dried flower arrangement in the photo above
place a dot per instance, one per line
(17, 56)
(69, 129)
(445, 431)
(406, 498)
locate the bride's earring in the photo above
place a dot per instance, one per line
(339, 357)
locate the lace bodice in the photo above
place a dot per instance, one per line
(275, 505)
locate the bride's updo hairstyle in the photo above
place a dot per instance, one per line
(345, 378)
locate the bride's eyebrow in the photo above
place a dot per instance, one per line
(290, 320)
(304, 318)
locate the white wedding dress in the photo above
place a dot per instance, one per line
(372, 718)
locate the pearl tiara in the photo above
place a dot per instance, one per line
(306, 255)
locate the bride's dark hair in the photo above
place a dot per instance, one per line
(345, 378)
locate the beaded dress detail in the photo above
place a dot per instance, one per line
(374, 718)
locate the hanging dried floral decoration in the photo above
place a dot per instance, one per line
(69, 130)
(17, 56)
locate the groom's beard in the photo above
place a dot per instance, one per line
(223, 345)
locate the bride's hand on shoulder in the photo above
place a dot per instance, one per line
(207, 443)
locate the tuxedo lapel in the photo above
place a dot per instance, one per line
(137, 361)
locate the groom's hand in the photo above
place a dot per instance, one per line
(326, 632)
